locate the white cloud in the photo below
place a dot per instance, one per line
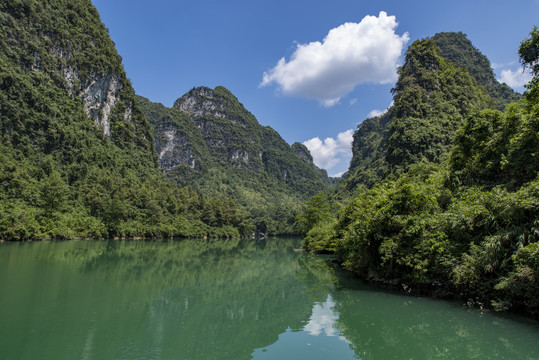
(330, 152)
(515, 79)
(496, 65)
(322, 320)
(338, 175)
(350, 54)
(376, 112)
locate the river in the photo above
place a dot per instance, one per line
(233, 299)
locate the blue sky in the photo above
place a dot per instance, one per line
(314, 95)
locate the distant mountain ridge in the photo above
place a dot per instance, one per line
(77, 156)
(208, 140)
(442, 81)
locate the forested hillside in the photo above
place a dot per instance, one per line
(456, 48)
(442, 81)
(446, 187)
(209, 141)
(77, 157)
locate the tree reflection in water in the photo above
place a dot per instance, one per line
(234, 299)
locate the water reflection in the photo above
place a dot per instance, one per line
(155, 300)
(323, 319)
(319, 338)
(234, 299)
(385, 325)
(357, 321)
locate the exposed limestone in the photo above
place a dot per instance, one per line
(203, 103)
(238, 155)
(128, 116)
(200, 102)
(99, 97)
(169, 146)
(173, 149)
(98, 92)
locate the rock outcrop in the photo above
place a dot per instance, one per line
(209, 134)
(302, 151)
(99, 92)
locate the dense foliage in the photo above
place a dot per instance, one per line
(442, 81)
(460, 51)
(465, 224)
(209, 141)
(61, 176)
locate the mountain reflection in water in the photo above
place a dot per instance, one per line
(233, 299)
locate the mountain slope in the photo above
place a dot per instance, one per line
(77, 156)
(457, 48)
(442, 81)
(60, 54)
(208, 140)
(459, 221)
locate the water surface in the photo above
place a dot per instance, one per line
(235, 299)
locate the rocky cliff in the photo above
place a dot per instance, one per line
(208, 140)
(443, 80)
(44, 42)
(77, 157)
(209, 126)
(230, 132)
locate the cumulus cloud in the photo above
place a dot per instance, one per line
(515, 79)
(376, 112)
(330, 152)
(349, 55)
(496, 65)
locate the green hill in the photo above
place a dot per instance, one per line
(448, 195)
(457, 48)
(77, 155)
(442, 81)
(209, 141)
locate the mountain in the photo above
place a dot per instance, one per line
(209, 141)
(77, 156)
(458, 49)
(442, 81)
(50, 68)
(445, 185)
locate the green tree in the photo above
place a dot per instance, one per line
(529, 51)
(317, 209)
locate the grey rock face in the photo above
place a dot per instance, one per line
(98, 92)
(99, 95)
(200, 102)
(173, 149)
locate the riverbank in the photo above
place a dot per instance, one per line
(439, 290)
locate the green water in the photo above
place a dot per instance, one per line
(237, 299)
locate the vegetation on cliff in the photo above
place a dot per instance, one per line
(432, 98)
(446, 196)
(209, 141)
(77, 157)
